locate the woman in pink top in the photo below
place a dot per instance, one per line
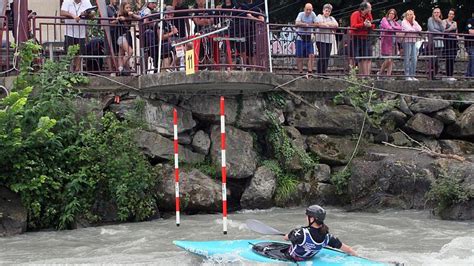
(412, 29)
(388, 44)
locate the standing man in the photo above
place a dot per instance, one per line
(361, 23)
(149, 8)
(74, 11)
(304, 45)
(469, 43)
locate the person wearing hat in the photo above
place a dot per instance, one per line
(307, 241)
(149, 8)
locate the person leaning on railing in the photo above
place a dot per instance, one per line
(361, 24)
(325, 37)
(388, 43)
(124, 40)
(253, 21)
(202, 21)
(75, 11)
(435, 24)
(469, 44)
(304, 46)
(450, 43)
(411, 28)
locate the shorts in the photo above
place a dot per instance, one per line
(68, 41)
(304, 49)
(360, 47)
(121, 40)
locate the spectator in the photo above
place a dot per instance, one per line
(361, 24)
(469, 44)
(202, 23)
(325, 37)
(112, 12)
(149, 9)
(411, 36)
(182, 23)
(435, 48)
(304, 45)
(124, 40)
(388, 25)
(168, 35)
(74, 11)
(253, 27)
(450, 43)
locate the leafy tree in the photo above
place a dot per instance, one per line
(60, 163)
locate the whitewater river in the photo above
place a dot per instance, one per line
(410, 237)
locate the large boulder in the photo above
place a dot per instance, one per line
(455, 146)
(326, 119)
(259, 193)
(426, 125)
(159, 118)
(156, 146)
(464, 126)
(13, 215)
(207, 108)
(297, 139)
(122, 109)
(201, 142)
(253, 114)
(331, 150)
(198, 192)
(447, 116)
(390, 177)
(241, 158)
(428, 105)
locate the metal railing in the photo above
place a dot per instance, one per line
(227, 40)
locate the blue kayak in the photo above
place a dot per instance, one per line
(238, 250)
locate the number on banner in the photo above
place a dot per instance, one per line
(190, 62)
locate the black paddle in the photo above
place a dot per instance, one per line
(261, 228)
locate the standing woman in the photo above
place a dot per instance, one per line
(389, 25)
(124, 41)
(412, 29)
(327, 25)
(435, 24)
(450, 43)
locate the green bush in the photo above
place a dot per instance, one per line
(61, 164)
(286, 182)
(341, 181)
(448, 190)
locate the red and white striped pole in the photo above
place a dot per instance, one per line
(224, 170)
(176, 164)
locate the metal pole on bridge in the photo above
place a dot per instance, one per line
(159, 37)
(270, 65)
(224, 170)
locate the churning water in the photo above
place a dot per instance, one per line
(409, 237)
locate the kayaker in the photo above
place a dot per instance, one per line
(307, 241)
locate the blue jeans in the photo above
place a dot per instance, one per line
(410, 58)
(470, 65)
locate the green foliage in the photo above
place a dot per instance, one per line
(61, 164)
(284, 149)
(341, 181)
(359, 95)
(206, 167)
(286, 182)
(448, 190)
(276, 99)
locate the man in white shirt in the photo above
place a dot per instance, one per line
(304, 45)
(76, 31)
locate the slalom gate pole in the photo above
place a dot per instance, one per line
(176, 163)
(224, 170)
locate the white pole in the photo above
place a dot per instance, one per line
(213, 4)
(270, 65)
(160, 37)
(207, 4)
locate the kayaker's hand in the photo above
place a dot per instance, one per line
(348, 250)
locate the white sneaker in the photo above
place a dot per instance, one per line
(451, 79)
(408, 79)
(414, 79)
